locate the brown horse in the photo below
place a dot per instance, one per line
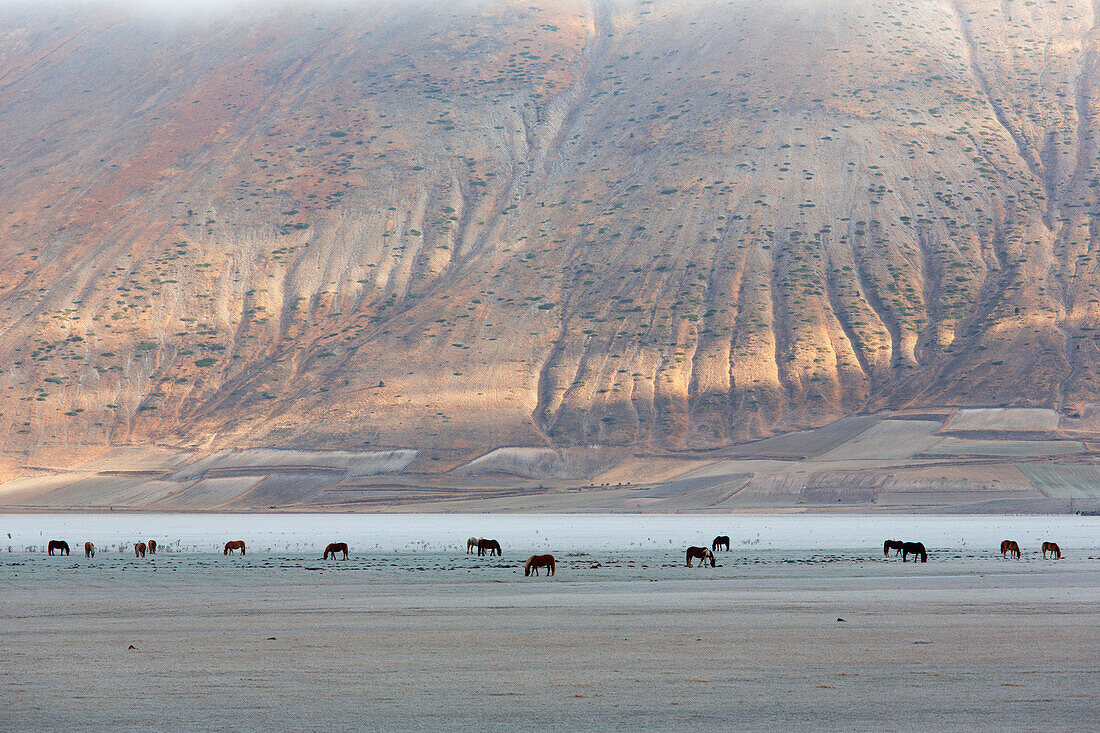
(702, 554)
(721, 542)
(89, 549)
(60, 545)
(152, 545)
(1010, 547)
(233, 545)
(139, 549)
(335, 547)
(891, 545)
(1054, 550)
(491, 545)
(539, 561)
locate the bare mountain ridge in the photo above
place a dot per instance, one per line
(665, 225)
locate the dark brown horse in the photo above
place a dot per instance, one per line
(702, 554)
(152, 545)
(233, 545)
(60, 545)
(721, 542)
(1009, 547)
(139, 549)
(89, 549)
(914, 548)
(335, 547)
(491, 545)
(539, 561)
(894, 545)
(1054, 550)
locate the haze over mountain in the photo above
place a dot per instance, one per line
(462, 225)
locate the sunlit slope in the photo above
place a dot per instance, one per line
(466, 225)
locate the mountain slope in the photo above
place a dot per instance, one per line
(674, 225)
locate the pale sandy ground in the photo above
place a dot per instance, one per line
(439, 642)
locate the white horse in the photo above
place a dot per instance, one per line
(471, 544)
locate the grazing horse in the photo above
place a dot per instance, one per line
(721, 542)
(891, 545)
(702, 553)
(914, 548)
(60, 545)
(139, 549)
(233, 545)
(490, 545)
(152, 545)
(335, 547)
(471, 544)
(539, 561)
(1009, 547)
(89, 549)
(1054, 550)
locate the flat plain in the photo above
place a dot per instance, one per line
(618, 640)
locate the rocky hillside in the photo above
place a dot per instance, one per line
(668, 224)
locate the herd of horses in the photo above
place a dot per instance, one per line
(62, 548)
(1009, 548)
(482, 545)
(905, 549)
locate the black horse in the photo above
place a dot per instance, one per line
(60, 545)
(721, 542)
(915, 549)
(891, 545)
(491, 545)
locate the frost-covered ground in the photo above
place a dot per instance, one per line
(804, 625)
(381, 533)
